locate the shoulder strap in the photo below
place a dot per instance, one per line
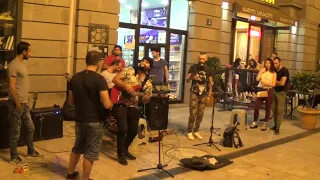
(144, 82)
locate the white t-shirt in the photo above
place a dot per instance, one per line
(109, 77)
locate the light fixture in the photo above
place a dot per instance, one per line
(128, 6)
(255, 33)
(165, 2)
(225, 5)
(145, 4)
(122, 1)
(253, 18)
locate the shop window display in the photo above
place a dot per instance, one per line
(152, 36)
(129, 11)
(177, 43)
(178, 14)
(154, 13)
(153, 30)
(126, 39)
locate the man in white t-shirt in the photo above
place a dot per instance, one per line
(111, 72)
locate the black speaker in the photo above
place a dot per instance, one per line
(157, 111)
(47, 122)
(4, 128)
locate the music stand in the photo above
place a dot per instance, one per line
(160, 166)
(212, 130)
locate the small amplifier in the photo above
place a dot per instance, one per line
(47, 122)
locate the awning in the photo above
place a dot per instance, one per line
(262, 11)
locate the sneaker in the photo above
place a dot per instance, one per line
(18, 161)
(36, 154)
(273, 128)
(190, 136)
(198, 135)
(277, 131)
(130, 156)
(72, 176)
(122, 159)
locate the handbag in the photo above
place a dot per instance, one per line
(262, 92)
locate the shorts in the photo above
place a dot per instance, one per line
(88, 140)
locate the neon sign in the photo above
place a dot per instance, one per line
(269, 1)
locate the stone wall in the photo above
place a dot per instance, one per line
(298, 46)
(45, 27)
(204, 37)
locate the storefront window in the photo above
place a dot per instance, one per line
(152, 36)
(129, 11)
(241, 41)
(127, 41)
(255, 36)
(154, 13)
(179, 14)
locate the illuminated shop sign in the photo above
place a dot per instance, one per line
(257, 13)
(269, 1)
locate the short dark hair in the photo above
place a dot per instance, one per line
(275, 53)
(115, 62)
(22, 46)
(155, 49)
(93, 58)
(277, 58)
(118, 46)
(272, 68)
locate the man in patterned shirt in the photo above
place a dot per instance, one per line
(126, 110)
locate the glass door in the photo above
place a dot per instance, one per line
(268, 42)
(176, 64)
(254, 43)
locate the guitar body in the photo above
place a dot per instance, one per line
(118, 94)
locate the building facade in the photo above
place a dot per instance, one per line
(226, 29)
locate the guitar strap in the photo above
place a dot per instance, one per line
(144, 82)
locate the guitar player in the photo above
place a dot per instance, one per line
(126, 110)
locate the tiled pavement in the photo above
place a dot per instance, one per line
(298, 159)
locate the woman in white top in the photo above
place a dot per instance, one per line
(267, 78)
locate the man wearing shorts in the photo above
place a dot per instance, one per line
(89, 95)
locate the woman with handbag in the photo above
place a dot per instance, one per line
(267, 78)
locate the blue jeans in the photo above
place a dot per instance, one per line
(88, 140)
(16, 119)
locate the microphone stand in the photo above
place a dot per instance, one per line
(212, 130)
(160, 166)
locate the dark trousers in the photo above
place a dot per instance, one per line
(259, 102)
(127, 121)
(16, 119)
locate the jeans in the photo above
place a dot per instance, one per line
(88, 140)
(16, 118)
(259, 102)
(279, 100)
(196, 110)
(127, 121)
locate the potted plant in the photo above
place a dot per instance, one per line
(307, 84)
(215, 64)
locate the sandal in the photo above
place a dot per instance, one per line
(264, 126)
(72, 176)
(254, 125)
